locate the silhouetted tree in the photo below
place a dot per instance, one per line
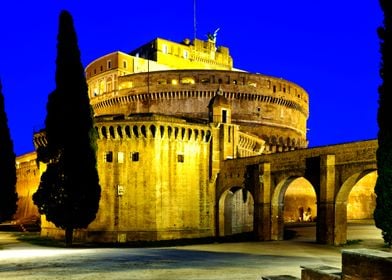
(8, 195)
(69, 190)
(383, 189)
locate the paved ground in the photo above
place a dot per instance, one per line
(245, 260)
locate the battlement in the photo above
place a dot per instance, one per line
(150, 126)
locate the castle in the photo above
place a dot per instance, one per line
(168, 116)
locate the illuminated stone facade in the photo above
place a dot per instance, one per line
(28, 178)
(168, 116)
(158, 78)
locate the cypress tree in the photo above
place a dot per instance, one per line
(8, 195)
(383, 189)
(69, 190)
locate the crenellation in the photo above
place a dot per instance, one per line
(151, 130)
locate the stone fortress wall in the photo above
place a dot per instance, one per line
(157, 175)
(154, 174)
(190, 147)
(161, 179)
(179, 79)
(273, 109)
(168, 115)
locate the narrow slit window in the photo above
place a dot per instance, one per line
(224, 116)
(108, 156)
(135, 156)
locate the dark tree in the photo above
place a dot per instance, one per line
(8, 195)
(69, 190)
(383, 189)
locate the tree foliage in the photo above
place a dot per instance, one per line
(8, 195)
(69, 190)
(383, 189)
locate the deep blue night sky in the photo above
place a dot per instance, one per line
(330, 48)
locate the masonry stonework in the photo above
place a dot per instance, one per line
(191, 147)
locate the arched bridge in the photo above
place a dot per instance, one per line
(332, 170)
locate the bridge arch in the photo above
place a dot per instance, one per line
(236, 211)
(341, 203)
(278, 203)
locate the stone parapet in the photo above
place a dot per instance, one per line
(362, 264)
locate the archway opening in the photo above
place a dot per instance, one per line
(300, 202)
(354, 208)
(236, 212)
(294, 210)
(361, 203)
(300, 210)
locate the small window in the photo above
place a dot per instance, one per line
(165, 49)
(185, 54)
(187, 80)
(224, 116)
(135, 156)
(252, 84)
(109, 63)
(180, 158)
(120, 190)
(125, 65)
(108, 157)
(120, 157)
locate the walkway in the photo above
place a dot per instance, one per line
(247, 260)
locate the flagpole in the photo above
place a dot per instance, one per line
(194, 19)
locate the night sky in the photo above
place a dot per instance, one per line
(330, 48)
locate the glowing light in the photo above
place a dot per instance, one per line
(35, 253)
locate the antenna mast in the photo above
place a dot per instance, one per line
(194, 19)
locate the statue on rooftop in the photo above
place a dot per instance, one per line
(212, 36)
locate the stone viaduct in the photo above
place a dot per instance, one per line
(332, 171)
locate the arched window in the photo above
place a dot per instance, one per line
(128, 131)
(162, 129)
(135, 131)
(208, 136)
(111, 131)
(143, 129)
(152, 130)
(119, 131)
(104, 132)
